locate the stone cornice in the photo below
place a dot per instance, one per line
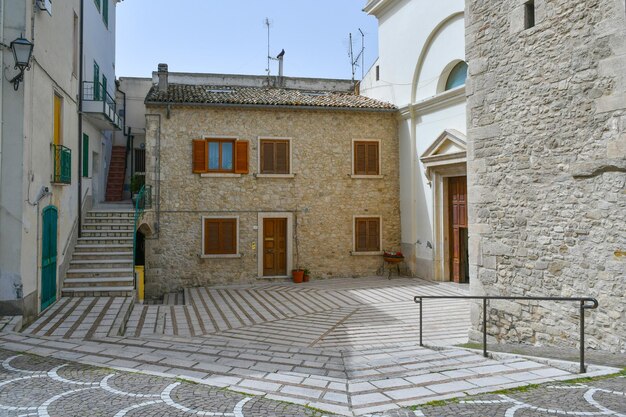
(377, 7)
(434, 103)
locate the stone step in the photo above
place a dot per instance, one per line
(118, 263)
(98, 282)
(112, 213)
(108, 220)
(96, 256)
(88, 227)
(98, 272)
(100, 248)
(118, 291)
(107, 233)
(106, 240)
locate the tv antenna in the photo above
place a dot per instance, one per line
(270, 58)
(354, 60)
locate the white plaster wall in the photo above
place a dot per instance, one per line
(418, 39)
(99, 43)
(402, 33)
(51, 73)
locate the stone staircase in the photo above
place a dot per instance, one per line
(117, 171)
(102, 264)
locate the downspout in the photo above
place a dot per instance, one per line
(1, 83)
(80, 123)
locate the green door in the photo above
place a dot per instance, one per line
(49, 257)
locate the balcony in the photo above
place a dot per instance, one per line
(99, 107)
(62, 173)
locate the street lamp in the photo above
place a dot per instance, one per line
(22, 50)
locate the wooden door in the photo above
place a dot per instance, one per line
(49, 257)
(457, 191)
(274, 247)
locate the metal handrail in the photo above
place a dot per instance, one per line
(582, 300)
(143, 200)
(62, 164)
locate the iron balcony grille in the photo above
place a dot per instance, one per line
(96, 93)
(62, 165)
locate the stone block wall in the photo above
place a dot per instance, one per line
(547, 167)
(322, 197)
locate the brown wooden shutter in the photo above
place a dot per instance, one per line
(199, 156)
(241, 157)
(267, 157)
(282, 157)
(361, 235)
(372, 158)
(360, 160)
(373, 240)
(211, 237)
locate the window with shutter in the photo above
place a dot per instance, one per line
(367, 234)
(275, 156)
(220, 156)
(241, 157)
(366, 158)
(220, 236)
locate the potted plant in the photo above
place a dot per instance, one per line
(393, 257)
(298, 275)
(307, 275)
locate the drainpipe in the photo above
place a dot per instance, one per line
(2, 13)
(80, 122)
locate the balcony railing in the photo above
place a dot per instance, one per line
(62, 164)
(97, 100)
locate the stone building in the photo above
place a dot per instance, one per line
(250, 181)
(546, 163)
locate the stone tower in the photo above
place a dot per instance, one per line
(546, 162)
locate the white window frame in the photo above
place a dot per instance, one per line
(380, 160)
(237, 254)
(258, 158)
(221, 174)
(380, 234)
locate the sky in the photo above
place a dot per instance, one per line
(230, 36)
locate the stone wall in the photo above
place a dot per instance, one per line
(322, 196)
(546, 167)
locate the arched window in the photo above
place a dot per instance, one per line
(457, 76)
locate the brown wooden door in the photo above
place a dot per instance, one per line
(274, 247)
(457, 190)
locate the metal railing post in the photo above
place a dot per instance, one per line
(421, 342)
(485, 327)
(582, 337)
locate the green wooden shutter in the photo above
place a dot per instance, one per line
(104, 87)
(96, 81)
(85, 155)
(105, 12)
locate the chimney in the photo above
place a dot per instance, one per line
(280, 58)
(162, 74)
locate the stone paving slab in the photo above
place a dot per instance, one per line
(351, 349)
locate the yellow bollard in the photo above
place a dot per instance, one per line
(139, 273)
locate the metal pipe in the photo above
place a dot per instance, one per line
(80, 120)
(582, 338)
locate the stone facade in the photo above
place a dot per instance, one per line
(546, 167)
(321, 196)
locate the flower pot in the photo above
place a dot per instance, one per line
(298, 275)
(393, 260)
(306, 278)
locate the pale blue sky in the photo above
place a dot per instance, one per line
(229, 36)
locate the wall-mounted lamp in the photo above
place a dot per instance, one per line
(22, 50)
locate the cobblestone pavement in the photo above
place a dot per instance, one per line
(36, 386)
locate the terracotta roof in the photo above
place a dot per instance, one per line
(255, 96)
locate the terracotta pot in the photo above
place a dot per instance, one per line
(306, 278)
(298, 275)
